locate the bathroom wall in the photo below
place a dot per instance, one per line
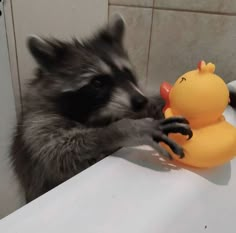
(11, 196)
(166, 38)
(56, 18)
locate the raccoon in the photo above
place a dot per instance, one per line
(83, 104)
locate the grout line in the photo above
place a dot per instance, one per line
(108, 12)
(10, 65)
(122, 5)
(17, 63)
(149, 47)
(174, 9)
(195, 11)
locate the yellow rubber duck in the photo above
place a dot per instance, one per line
(201, 97)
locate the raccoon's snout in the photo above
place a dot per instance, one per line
(138, 102)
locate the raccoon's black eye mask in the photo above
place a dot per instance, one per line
(79, 104)
(100, 81)
(97, 82)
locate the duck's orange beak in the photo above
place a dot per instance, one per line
(165, 89)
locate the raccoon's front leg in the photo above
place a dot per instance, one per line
(69, 152)
(151, 132)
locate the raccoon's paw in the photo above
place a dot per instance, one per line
(177, 149)
(176, 125)
(172, 125)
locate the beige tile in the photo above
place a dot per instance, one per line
(179, 40)
(77, 18)
(137, 37)
(145, 3)
(223, 6)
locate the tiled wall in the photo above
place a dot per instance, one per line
(24, 18)
(166, 38)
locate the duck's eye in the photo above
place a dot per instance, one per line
(182, 79)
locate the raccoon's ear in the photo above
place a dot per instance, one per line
(116, 27)
(41, 50)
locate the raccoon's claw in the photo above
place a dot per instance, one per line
(177, 119)
(177, 128)
(173, 125)
(177, 149)
(176, 125)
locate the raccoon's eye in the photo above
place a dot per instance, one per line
(98, 83)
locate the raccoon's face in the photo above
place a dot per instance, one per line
(90, 82)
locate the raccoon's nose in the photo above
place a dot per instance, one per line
(138, 102)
